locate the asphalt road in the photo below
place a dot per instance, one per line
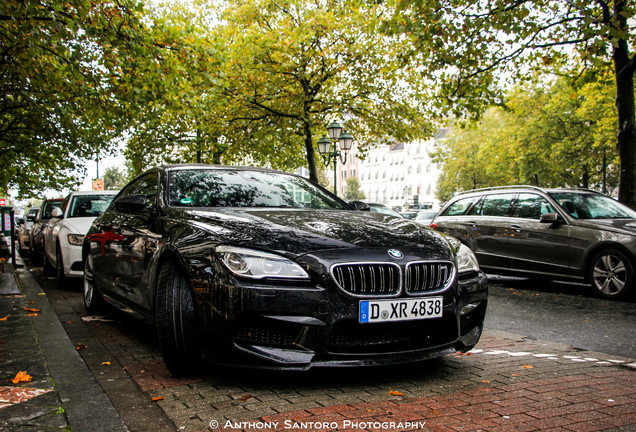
(564, 313)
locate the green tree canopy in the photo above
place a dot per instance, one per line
(114, 179)
(352, 189)
(550, 135)
(58, 106)
(293, 66)
(473, 49)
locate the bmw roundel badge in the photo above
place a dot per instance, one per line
(394, 253)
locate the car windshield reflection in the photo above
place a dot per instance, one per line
(237, 188)
(592, 206)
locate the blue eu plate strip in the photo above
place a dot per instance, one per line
(364, 311)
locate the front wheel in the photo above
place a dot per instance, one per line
(93, 302)
(611, 273)
(177, 327)
(61, 278)
(48, 268)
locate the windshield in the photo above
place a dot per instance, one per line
(592, 206)
(48, 207)
(89, 205)
(239, 188)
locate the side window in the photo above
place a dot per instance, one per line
(496, 205)
(532, 206)
(460, 206)
(146, 185)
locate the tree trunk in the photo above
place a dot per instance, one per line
(626, 139)
(311, 155)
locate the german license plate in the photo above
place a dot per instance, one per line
(400, 310)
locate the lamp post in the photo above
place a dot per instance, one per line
(328, 148)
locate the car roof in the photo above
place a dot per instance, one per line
(193, 166)
(95, 192)
(525, 188)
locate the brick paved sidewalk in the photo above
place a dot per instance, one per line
(59, 391)
(508, 383)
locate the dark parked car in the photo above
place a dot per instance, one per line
(575, 234)
(252, 266)
(36, 236)
(24, 229)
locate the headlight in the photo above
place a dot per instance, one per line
(256, 264)
(76, 239)
(466, 260)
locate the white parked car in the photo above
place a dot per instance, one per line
(64, 234)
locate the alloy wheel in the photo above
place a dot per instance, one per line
(609, 274)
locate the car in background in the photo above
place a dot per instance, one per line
(64, 234)
(24, 229)
(425, 217)
(36, 236)
(256, 267)
(381, 208)
(408, 214)
(572, 234)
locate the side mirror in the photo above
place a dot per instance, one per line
(360, 205)
(550, 218)
(56, 212)
(131, 203)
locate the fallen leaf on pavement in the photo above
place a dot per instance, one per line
(32, 314)
(245, 398)
(80, 346)
(396, 393)
(527, 367)
(105, 363)
(41, 293)
(486, 382)
(67, 322)
(5, 318)
(32, 310)
(515, 375)
(21, 376)
(158, 398)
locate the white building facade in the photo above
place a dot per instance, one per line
(401, 175)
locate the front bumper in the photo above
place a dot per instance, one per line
(299, 328)
(72, 260)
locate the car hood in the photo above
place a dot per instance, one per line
(623, 226)
(78, 225)
(295, 232)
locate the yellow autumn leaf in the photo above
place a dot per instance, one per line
(21, 376)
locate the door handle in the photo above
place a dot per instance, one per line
(515, 227)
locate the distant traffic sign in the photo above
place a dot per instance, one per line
(98, 184)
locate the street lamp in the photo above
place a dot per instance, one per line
(327, 147)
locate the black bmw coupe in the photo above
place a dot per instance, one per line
(255, 267)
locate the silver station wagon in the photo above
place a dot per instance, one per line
(575, 234)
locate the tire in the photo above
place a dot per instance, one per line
(93, 301)
(611, 274)
(175, 320)
(48, 268)
(59, 269)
